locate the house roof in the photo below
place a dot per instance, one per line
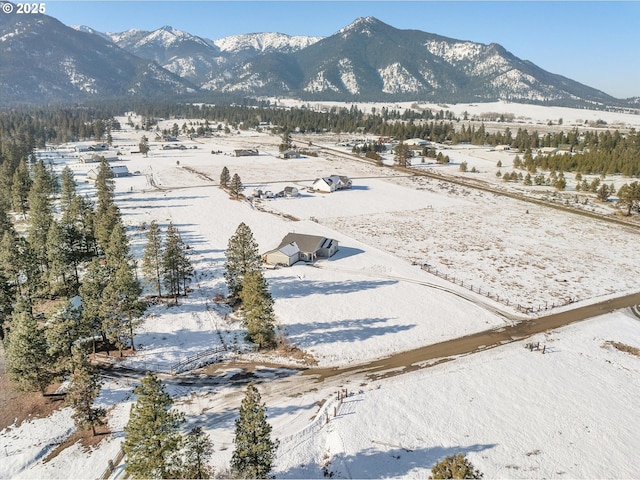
(306, 243)
(290, 249)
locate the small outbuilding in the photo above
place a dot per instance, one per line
(290, 192)
(120, 171)
(290, 154)
(245, 152)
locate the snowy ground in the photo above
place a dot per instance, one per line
(517, 414)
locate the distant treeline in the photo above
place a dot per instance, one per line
(602, 152)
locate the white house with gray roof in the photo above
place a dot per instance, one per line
(296, 247)
(331, 184)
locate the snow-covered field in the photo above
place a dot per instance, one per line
(569, 413)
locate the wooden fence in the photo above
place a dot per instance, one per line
(497, 298)
(195, 361)
(113, 463)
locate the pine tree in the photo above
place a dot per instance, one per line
(121, 306)
(402, 155)
(144, 146)
(455, 466)
(26, 350)
(20, 187)
(197, 451)
(117, 250)
(84, 388)
(176, 267)
(68, 189)
(93, 285)
(236, 186)
(60, 260)
(79, 226)
(225, 177)
(287, 143)
(7, 295)
(40, 214)
(254, 450)
(152, 257)
(105, 208)
(105, 224)
(242, 257)
(152, 442)
(65, 327)
(257, 304)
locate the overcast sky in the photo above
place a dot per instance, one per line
(593, 42)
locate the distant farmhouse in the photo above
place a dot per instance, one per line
(118, 172)
(245, 152)
(296, 247)
(290, 154)
(174, 146)
(331, 184)
(418, 142)
(96, 158)
(96, 147)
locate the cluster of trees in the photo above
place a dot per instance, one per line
(165, 262)
(604, 152)
(246, 283)
(155, 447)
(232, 184)
(44, 264)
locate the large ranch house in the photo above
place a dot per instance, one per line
(331, 184)
(296, 247)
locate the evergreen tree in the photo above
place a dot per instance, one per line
(242, 257)
(144, 146)
(40, 213)
(236, 186)
(121, 306)
(254, 450)
(7, 295)
(117, 250)
(106, 211)
(84, 388)
(26, 351)
(402, 155)
(225, 177)
(455, 466)
(197, 451)
(176, 267)
(65, 327)
(105, 186)
(257, 304)
(629, 196)
(104, 225)
(25, 263)
(152, 257)
(151, 441)
(93, 285)
(61, 262)
(287, 143)
(20, 187)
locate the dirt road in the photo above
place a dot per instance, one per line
(419, 358)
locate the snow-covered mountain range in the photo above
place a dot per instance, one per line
(366, 60)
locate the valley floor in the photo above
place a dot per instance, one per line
(568, 412)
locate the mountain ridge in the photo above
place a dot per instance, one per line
(366, 60)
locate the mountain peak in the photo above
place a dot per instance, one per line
(362, 25)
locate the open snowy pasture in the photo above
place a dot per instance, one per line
(568, 413)
(359, 305)
(522, 253)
